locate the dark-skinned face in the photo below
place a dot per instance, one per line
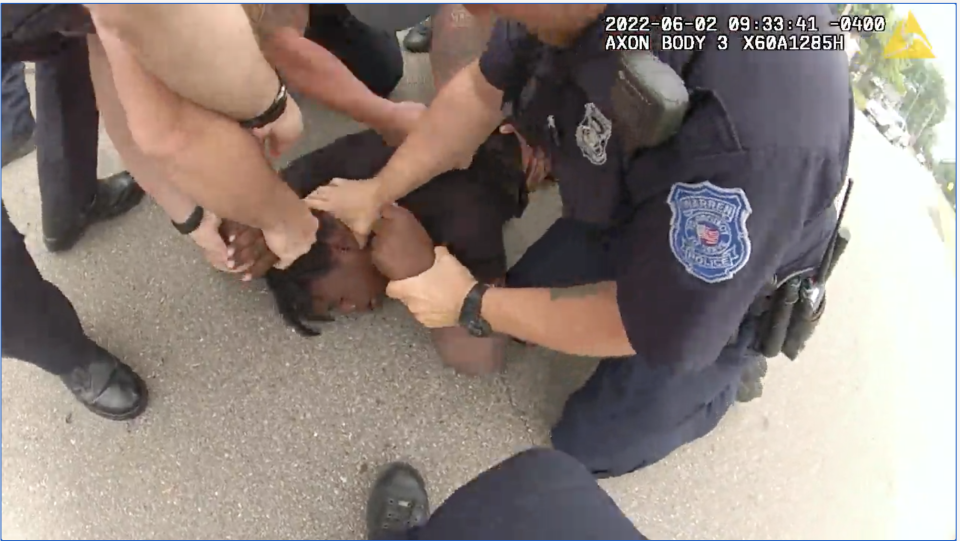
(353, 284)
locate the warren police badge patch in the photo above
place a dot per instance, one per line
(708, 230)
(593, 134)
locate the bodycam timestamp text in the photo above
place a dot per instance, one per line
(677, 33)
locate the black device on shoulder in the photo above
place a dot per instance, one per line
(470, 317)
(272, 113)
(649, 98)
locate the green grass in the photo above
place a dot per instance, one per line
(859, 100)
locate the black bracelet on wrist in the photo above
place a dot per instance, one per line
(272, 113)
(191, 224)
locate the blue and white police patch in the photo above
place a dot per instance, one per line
(708, 230)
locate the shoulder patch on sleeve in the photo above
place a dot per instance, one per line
(708, 230)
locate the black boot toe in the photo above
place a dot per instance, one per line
(398, 503)
(108, 387)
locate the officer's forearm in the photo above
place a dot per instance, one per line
(582, 320)
(206, 53)
(318, 74)
(206, 156)
(458, 121)
(168, 197)
(222, 168)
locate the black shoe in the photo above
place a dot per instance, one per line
(419, 37)
(108, 388)
(398, 503)
(18, 149)
(115, 195)
(751, 386)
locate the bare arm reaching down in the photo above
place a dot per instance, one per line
(463, 115)
(209, 158)
(206, 53)
(439, 144)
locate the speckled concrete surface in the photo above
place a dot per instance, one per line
(254, 432)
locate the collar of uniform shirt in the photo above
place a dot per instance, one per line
(586, 60)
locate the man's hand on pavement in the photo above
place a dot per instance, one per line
(356, 203)
(280, 135)
(435, 297)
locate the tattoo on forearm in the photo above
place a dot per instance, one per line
(575, 292)
(458, 39)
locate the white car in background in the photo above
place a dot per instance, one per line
(888, 122)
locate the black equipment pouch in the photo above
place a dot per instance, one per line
(789, 316)
(649, 100)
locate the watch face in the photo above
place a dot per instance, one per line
(478, 328)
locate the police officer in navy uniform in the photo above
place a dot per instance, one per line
(671, 256)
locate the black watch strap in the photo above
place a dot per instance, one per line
(470, 317)
(191, 223)
(272, 113)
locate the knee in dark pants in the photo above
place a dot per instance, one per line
(632, 414)
(537, 494)
(570, 253)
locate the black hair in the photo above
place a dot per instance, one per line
(500, 162)
(291, 286)
(499, 157)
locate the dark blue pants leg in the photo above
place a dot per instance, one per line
(18, 122)
(39, 325)
(632, 412)
(67, 133)
(373, 56)
(537, 494)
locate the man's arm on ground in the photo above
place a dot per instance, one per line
(463, 115)
(581, 320)
(206, 53)
(207, 156)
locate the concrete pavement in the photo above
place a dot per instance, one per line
(254, 432)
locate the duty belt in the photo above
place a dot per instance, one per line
(788, 313)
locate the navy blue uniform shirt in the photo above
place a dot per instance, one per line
(741, 197)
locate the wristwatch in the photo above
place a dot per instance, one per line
(191, 223)
(470, 317)
(272, 113)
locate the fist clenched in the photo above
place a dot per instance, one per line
(401, 246)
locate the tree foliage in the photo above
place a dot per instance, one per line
(924, 101)
(946, 174)
(871, 64)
